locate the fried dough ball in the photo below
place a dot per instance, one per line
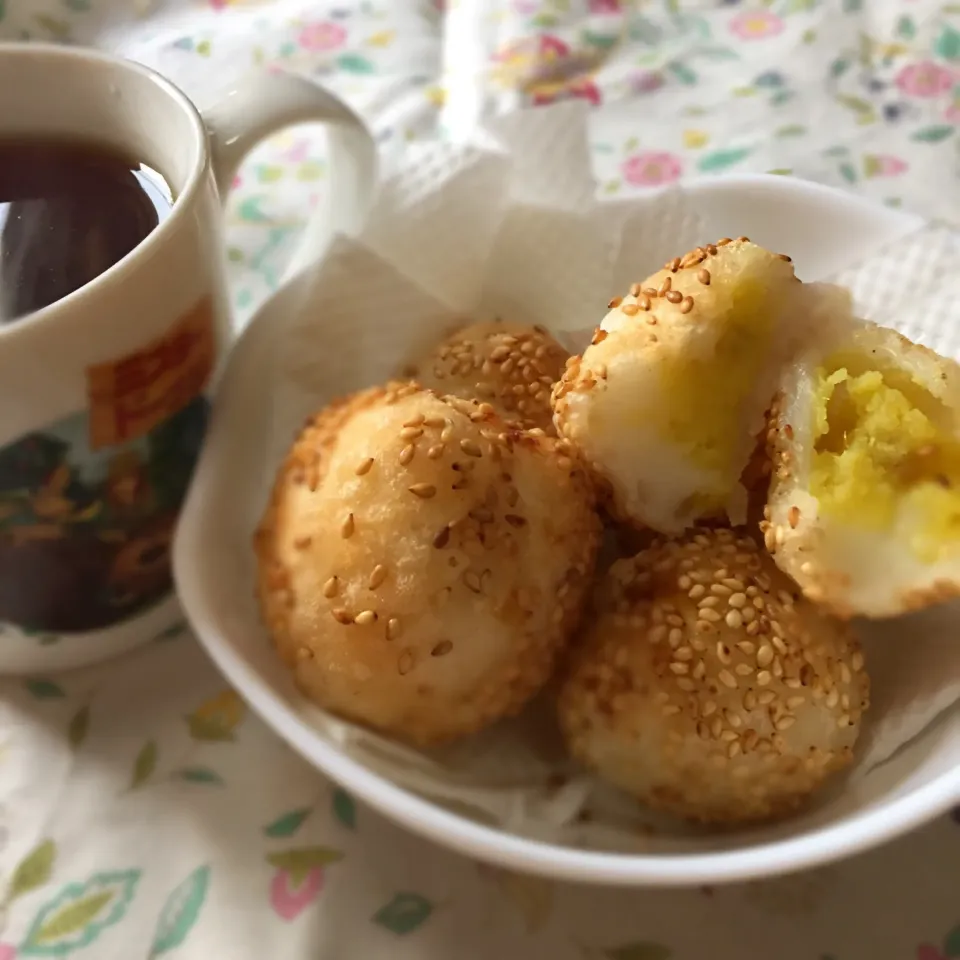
(511, 366)
(864, 502)
(707, 687)
(421, 564)
(666, 402)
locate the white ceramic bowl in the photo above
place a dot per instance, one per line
(213, 570)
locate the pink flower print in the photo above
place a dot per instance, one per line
(952, 113)
(7, 951)
(604, 6)
(756, 25)
(289, 898)
(883, 165)
(924, 79)
(646, 81)
(526, 8)
(322, 36)
(652, 169)
(582, 88)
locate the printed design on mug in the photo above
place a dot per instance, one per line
(88, 505)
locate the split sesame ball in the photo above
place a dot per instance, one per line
(422, 563)
(707, 687)
(511, 366)
(666, 402)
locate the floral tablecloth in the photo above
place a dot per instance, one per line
(143, 811)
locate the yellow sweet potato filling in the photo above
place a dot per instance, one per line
(882, 451)
(704, 414)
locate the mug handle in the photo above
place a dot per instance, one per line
(261, 105)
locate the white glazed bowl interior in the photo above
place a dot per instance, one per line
(214, 571)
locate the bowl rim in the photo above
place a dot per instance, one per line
(817, 846)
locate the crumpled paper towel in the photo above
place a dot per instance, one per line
(507, 225)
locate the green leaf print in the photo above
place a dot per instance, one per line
(144, 765)
(721, 159)
(79, 725)
(34, 870)
(58, 29)
(170, 633)
(641, 950)
(44, 689)
(948, 44)
(682, 73)
(404, 913)
(206, 729)
(79, 913)
(848, 172)
(344, 809)
(951, 943)
(933, 134)
(852, 6)
(839, 67)
(288, 824)
(180, 912)
(792, 130)
(354, 63)
(906, 28)
(602, 41)
(299, 861)
(200, 775)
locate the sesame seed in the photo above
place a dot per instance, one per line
(347, 527)
(723, 241)
(365, 618)
(435, 452)
(471, 448)
(643, 302)
(784, 257)
(738, 601)
(363, 467)
(683, 653)
(856, 661)
(733, 619)
(833, 698)
(675, 637)
(342, 616)
(393, 628)
(733, 749)
(703, 275)
(708, 708)
(674, 265)
(708, 614)
(670, 710)
(377, 576)
(686, 684)
(845, 675)
(727, 679)
(679, 668)
(674, 296)
(411, 433)
(766, 697)
(794, 702)
(406, 454)
(785, 723)
(331, 587)
(746, 647)
(686, 305)
(656, 634)
(441, 649)
(405, 662)
(763, 678)
(697, 591)
(471, 580)
(723, 652)
(793, 517)
(699, 670)
(423, 490)
(765, 655)
(630, 309)
(615, 302)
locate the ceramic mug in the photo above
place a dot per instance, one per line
(104, 393)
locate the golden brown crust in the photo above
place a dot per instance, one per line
(422, 562)
(511, 366)
(707, 688)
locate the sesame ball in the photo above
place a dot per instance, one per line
(511, 366)
(863, 503)
(666, 402)
(705, 686)
(421, 563)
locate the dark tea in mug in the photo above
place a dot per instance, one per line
(69, 210)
